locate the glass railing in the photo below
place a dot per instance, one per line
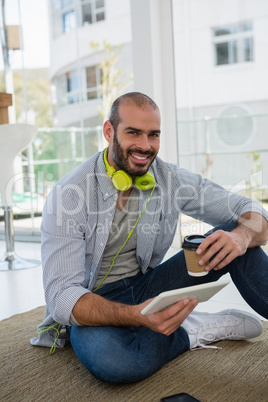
(231, 150)
(204, 147)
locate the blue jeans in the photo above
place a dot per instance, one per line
(123, 355)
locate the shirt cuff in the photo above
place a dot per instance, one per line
(74, 322)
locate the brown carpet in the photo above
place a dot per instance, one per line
(238, 372)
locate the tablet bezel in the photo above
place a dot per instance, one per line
(201, 292)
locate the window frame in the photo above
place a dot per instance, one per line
(95, 11)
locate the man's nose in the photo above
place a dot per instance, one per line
(143, 142)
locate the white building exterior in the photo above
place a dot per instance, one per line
(204, 61)
(74, 63)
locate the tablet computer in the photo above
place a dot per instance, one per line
(201, 292)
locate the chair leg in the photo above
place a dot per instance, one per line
(10, 261)
(9, 235)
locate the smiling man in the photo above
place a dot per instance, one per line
(106, 228)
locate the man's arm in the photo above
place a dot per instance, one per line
(251, 231)
(94, 310)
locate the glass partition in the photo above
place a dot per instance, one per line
(54, 153)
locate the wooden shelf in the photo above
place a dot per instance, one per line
(5, 102)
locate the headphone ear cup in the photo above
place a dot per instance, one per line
(121, 180)
(145, 182)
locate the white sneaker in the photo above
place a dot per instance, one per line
(233, 325)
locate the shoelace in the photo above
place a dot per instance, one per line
(225, 330)
(57, 327)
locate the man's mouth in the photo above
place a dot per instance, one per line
(139, 157)
(142, 158)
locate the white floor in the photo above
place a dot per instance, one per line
(22, 290)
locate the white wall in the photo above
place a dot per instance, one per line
(73, 51)
(68, 48)
(76, 113)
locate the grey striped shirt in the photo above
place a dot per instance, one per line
(79, 213)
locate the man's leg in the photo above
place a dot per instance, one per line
(125, 355)
(132, 354)
(249, 273)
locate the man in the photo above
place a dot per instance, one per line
(106, 228)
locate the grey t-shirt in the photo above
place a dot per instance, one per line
(126, 263)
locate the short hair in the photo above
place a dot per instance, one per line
(137, 98)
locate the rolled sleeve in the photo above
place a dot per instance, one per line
(254, 206)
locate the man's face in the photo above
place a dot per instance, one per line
(136, 142)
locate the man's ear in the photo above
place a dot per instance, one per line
(108, 131)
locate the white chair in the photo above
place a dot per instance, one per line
(14, 138)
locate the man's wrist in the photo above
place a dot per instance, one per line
(245, 233)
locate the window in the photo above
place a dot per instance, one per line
(233, 43)
(65, 14)
(73, 86)
(77, 85)
(92, 11)
(68, 87)
(94, 77)
(68, 21)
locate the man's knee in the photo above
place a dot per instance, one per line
(104, 352)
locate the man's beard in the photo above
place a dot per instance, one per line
(120, 158)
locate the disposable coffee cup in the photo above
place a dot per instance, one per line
(190, 245)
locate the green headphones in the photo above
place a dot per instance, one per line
(122, 180)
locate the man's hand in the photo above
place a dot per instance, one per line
(168, 320)
(228, 245)
(251, 231)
